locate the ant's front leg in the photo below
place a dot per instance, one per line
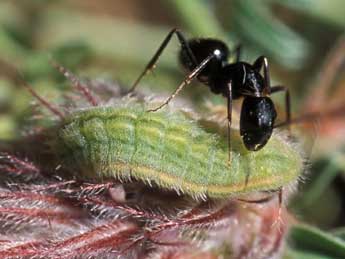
(258, 64)
(151, 65)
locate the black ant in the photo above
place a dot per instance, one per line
(207, 60)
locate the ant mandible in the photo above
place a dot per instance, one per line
(207, 60)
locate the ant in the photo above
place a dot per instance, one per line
(207, 60)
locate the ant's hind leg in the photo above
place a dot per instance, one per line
(258, 64)
(229, 104)
(151, 65)
(284, 89)
(263, 62)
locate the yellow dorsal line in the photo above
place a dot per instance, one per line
(169, 179)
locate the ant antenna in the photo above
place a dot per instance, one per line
(85, 91)
(185, 82)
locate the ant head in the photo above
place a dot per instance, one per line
(201, 49)
(257, 121)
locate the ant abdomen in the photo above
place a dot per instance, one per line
(257, 121)
(202, 48)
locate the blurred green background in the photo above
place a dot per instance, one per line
(113, 40)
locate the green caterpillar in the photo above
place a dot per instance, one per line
(170, 150)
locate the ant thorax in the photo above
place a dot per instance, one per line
(246, 81)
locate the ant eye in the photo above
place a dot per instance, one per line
(217, 52)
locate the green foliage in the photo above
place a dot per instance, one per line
(308, 242)
(255, 23)
(328, 11)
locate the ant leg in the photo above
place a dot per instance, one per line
(280, 88)
(185, 82)
(229, 99)
(262, 62)
(258, 64)
(238, 51)
(151, 65)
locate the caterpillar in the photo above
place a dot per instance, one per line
(168, 149)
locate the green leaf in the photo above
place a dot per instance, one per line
(312, 241)
(198, 18)
(254, 22)
(339, 232)
(331, 11)
(292, 254)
